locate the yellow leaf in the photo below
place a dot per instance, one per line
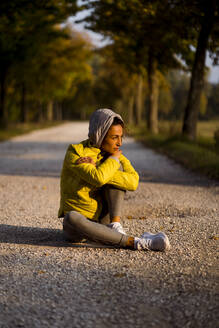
(214, 237)
(119, 275)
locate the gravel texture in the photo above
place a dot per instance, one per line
(47, 282)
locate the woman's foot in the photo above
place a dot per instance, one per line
(117, 227)
(151, 241)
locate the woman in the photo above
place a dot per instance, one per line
(94, 178)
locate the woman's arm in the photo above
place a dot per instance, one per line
(97, 176)
(128, 178)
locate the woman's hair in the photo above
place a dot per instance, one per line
(117, 121)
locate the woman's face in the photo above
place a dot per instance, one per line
(113, 139)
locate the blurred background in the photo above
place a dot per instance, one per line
(154, 62)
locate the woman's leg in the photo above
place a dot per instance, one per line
(113, 200)
(78, 226)
(70, 233)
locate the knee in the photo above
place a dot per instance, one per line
(114, 193)
(70, 228)
(77, 221)
(73, 217)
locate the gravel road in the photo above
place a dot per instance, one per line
(47, 282)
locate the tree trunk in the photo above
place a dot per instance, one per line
(153, 86)
(139, 99)
(40, 111)
(131, 109)
(197, 78)
(83, 114)
(59, 111)
(23, 103)
(50, 111)
(3, 111)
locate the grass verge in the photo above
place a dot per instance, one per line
(201, 156)
(16, 129)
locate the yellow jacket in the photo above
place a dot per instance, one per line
(80, 184)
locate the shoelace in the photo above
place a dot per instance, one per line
(143, 244)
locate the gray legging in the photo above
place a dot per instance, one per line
(77, 227)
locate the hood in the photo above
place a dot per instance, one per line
(100, 122)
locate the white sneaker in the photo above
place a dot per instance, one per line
(154, 242)
(116, 226)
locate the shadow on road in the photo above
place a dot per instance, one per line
(35, 236)
(159, 297)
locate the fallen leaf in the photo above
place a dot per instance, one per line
(214, 237)
(119, 275)
(41, 272)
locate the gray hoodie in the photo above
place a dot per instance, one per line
(100, 122)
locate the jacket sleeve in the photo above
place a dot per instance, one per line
(96, 176)
(128, 178)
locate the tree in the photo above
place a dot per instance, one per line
(25, 28)
(148, 32)
(165, 102)
(113, 86)
(207, 15)
(61, 69)
(213, 102)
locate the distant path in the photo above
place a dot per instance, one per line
(41, 153)
(46, 282)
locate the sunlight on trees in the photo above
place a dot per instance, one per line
(154, 67)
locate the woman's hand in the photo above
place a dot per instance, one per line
(87, 159)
